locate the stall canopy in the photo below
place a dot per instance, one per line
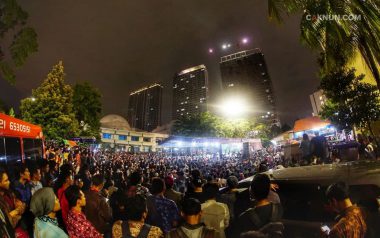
(310, 123)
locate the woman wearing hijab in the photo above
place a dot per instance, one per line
(44, 205)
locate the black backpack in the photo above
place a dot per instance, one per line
(126, 233)
(273, 228)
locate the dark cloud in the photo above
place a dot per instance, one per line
(121, 45)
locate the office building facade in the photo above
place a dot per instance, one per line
(190, 92)
(245, 74)
(144, 107)
(317, 99)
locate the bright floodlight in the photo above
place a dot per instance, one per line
(234, 107)
(224, 46)
(244, 40)
(229, 45)
(33, 99)
(210, 50)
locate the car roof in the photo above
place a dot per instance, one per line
(353, 173)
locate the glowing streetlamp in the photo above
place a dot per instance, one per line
(244, 40)
(210, 50)
(234, 107)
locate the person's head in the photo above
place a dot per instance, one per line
(191, 210)
(4, 179)
(35, 174)
(98, 181)
(24, 173)
(135, 178)
(210, 190)
(305, 136)
(44, 202)
(67, 178)
(263, 167)
(75, 197)
(158, 186)
(197, 182)
(169, 182)
(136, 208)
(337, 194)
(44, 164)
(260, 187)
(232, 182)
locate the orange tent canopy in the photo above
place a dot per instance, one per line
(310, 123)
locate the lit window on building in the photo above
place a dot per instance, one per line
(187, 97)
(107, 136)
(151, 109)
(181, 114)
(177, 110)
(135, 138)
(231, 85)
(182, 109)
(182, 89)
(182, 80)
(192, 75)
(147, 139)
(261, 64)
(203, 87)
(187, 81)
(196, 106)
(267, 90)
(262, 74)
(122, 137)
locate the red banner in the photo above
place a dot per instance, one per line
(10, 126)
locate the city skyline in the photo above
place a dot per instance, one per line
(101, 47)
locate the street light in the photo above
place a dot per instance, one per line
(234, 107)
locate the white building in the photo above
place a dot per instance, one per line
(117, 133)
(317, 99)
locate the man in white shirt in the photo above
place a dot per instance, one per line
(214, 214)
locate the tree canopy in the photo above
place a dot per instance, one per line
(208, 125)
(13, 24)
(338, 29)
(350, 102)
(87, 107)
(51, 106)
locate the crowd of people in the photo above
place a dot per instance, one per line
(83, 193)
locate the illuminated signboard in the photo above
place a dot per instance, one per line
(10, 126)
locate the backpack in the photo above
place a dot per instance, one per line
(273, 228)
(206, 233)
(126, 233)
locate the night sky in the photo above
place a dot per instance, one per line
(122, 45)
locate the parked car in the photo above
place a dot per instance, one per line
(302, 193)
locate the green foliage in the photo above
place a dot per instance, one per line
(87, 108)
(350, 101)
(12, 112)
(24, 39)
(336, 39)
(209, 125)
(51, 106)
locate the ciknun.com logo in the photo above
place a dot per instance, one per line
(328, 17)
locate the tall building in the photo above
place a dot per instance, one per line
(317, 99)
(190, 92)
(245, 74)
(144, 108)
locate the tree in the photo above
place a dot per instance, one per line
(337, 39)
(12, 112)
(51, 106)
(87, 108)
(24, 39)
(209, 125)
(350, 102)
